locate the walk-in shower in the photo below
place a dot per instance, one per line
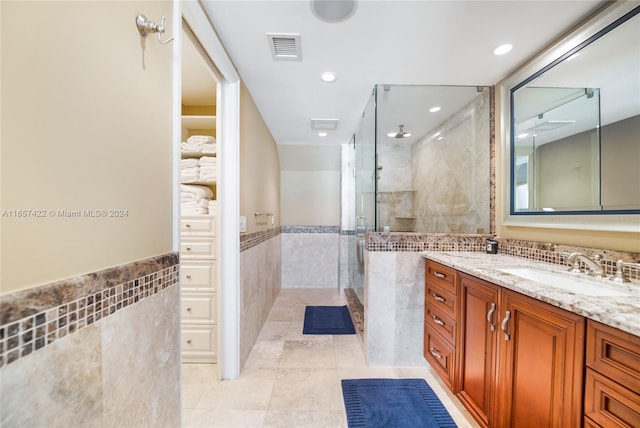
(420, 163)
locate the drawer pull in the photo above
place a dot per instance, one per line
(439, 275)
(187, 225)
(435, 353)
(439, 298)
(506, 319)
(189, 309)
(188, 276)
(438, 321)
(189, 341)
(490, 316)
(188, 248)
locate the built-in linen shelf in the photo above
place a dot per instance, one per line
(201, 183)
(199, 121)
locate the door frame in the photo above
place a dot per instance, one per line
(228, 186)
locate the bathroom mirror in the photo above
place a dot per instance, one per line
(571, 141)
(575, 128)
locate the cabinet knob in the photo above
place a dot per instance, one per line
(187, 225)
(189, 309)
(435, 353)
(188, 248)
(189, 341)
(188, 276)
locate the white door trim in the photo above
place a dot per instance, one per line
(228, 188)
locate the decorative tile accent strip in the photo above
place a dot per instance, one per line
(492, 159)
(34, 318)
(356, 309)
(250, 240)
(397, 241)
(310, 229)
(347, 232)
(541, 251)
(556, 253)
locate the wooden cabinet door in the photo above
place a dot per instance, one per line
(541, 364)
(477, 346)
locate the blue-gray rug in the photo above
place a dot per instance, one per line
(327, 320)
(393, 403)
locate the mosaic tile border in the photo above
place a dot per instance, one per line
(416, 242)
(250, 240)
(539, 251)
(35, 318)
(310, 229)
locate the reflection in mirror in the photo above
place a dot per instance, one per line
(575, 142)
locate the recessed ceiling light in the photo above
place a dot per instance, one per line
(322, 134)
(503, 49)
(434, 109)
(328, 76)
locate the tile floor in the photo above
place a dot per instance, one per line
(291, 379)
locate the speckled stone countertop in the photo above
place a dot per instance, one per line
(620, 311)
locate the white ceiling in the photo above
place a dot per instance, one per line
(417, 42)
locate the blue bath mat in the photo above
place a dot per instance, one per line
(327, 320)
(393, 403)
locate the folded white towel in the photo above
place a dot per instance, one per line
(192, 211)
(201, 139)
(189, 163)
(208, 178)
(187, 148)
(209, 149)
(201, 192)
(208, 160)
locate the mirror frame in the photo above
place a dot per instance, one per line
(603, 221)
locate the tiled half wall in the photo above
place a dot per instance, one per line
(100, 349)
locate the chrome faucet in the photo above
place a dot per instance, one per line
(594, 265)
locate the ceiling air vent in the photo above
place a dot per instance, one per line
(285, 46)
(324, 124)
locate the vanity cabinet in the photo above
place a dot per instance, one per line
(518, 361)
(441, 312)
(612, 382)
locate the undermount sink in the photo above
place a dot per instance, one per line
(579, 285)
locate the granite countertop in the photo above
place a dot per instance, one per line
(620, 311)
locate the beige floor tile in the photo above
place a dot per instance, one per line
(304, 419)
(251, 391)
(308, 353)
(348, 350)
(265, 354)
(223, 418)
(306, 389)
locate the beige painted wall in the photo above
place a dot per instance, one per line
(259, 167)
(86, 125)
(311, 198)
(621, 241)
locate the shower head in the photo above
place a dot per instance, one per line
(400, 134)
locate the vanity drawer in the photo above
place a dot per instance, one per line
(439, 322)
(614, 353)
(203, 224)
(198, 275)
(197, 247)
(198, 344)
(440, 355)
(437, 297)
(198, 307)
(444, 276)
(608, 404)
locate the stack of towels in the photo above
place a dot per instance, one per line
(198, 145)
(197, 200)
(204, 169)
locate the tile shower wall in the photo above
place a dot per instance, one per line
(452, 174)
(310, 256)
(100, 349)
(260, 283)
